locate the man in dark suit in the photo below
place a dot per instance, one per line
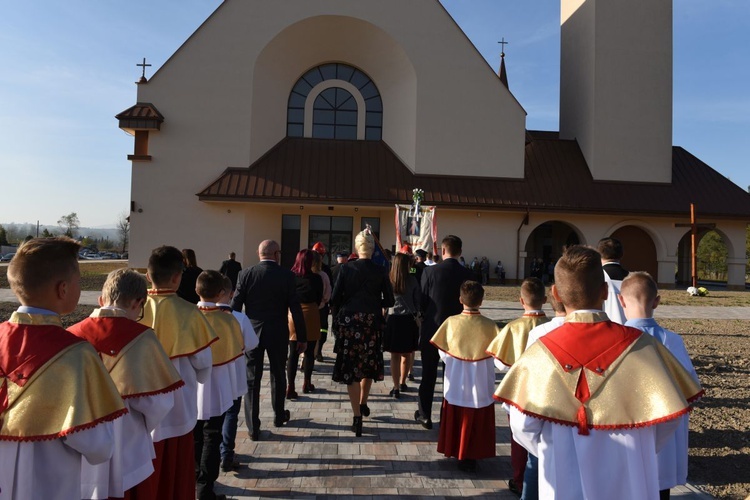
(441, 287)
(611, 252)
(231, 269)
(268, 292)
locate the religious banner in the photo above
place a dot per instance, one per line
(416, 225)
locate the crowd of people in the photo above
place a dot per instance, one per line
(141, 400)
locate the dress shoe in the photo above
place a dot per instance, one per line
(364, 410)
(291, 393)
(255, 435)
(280, 421)
(424, 422)
(307, 388)
(513, 487)
(411, 377)
(394, 394)
(319, 358)
(404, 388)
(469, 465)
(229, 465)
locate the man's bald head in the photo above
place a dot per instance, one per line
(267, 250)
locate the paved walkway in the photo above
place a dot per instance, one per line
(317, 456)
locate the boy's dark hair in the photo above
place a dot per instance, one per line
(164, 263)
(610, 249)
(42, 262)
(641, 286)
(453, 245)
(579, 277)
(472, 293)
(209, 285)
(533, 292)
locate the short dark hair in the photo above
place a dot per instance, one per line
(579, 277)
(472, 293)
(209, 285)
(164, 262)
(533, 292)
(610, 248)
(42, 262)
(453, 245)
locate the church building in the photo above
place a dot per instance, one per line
(305, 120)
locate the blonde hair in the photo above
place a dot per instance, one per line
(364, 243)
(123, 287)
(641, 286)
(42, 262)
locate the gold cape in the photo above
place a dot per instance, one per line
(141, 367)
(466, 336)
(642, 386)
(511, 341)
(70, 392)
(180, 327)
(230, 345)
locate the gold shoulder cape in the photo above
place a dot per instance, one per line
(141, 368)
(466, 336)
(180, 327)
(70, 392)
(599, 375)
(230, 344)
(511, 342)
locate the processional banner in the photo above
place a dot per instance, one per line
(417, 227)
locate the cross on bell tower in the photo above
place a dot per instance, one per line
(143, 65)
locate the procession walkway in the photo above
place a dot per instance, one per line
(317, 456)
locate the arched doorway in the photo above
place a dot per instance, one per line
(545, 244)
(639, 250)
(712, 257)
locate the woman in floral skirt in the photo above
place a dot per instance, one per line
(361, 293)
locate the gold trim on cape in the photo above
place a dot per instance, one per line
(540, 387)
(510, 343)
(230, 345)
(466, 336)
(71, 392)
(180, 327)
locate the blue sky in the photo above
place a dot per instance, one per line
(69, 67)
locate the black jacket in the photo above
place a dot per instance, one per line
(362, 286)
(441, 289)
(615, 271)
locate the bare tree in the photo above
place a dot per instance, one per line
(123, 230)
(70, 223)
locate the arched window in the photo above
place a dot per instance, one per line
(335, 101)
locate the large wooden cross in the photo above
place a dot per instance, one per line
(694, 226)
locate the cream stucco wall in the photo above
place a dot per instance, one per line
(616, 86)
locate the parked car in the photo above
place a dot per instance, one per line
(7, 257)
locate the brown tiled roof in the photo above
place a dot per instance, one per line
(142, 116)
(556, 179)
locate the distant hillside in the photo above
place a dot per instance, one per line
(16, 231)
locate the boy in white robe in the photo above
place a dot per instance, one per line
(215, 395)
(467, 422)
(57, 402)
(186, 337)
(594, 400)
(144, 376)
(639, 297)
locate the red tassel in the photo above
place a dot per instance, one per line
(583, 425)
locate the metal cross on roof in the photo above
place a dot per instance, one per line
(143, 65)
(503, 43)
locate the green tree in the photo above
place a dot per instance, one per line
(46, 233)
(3, 236)
(70, 223)
(712, 257)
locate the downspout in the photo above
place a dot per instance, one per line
(524, 222)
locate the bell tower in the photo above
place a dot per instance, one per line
(616, 86)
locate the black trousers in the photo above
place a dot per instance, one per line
(277, 365)
(207, 440)
(430, 362)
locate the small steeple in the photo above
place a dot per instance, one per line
(502, 73)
